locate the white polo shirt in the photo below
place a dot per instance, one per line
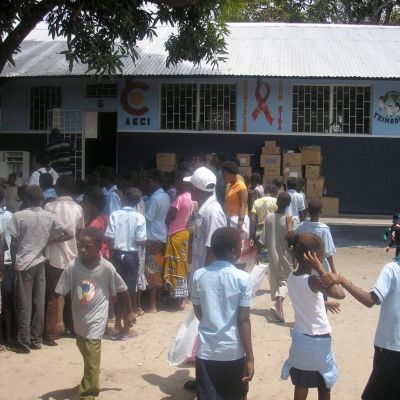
(209, 218)
(126, 227)
(387, 289)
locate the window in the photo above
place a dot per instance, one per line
(335, 109)
(100, 90)
(198, 107)
(42, 100)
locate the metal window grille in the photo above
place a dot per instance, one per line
(100, 90)
(198, 107)
(351, 109)
(335, 109)
(42, 99)
(218, 107)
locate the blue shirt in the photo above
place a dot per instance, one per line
(157, 208)
(126, 227)
(324, 232)
(387, 289)
(220, 289)
(5, 218)
(49, 193)
(113, 200)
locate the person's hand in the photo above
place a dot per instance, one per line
(60, 327)
(131, 319)
(332, 306)
(313, 259)
(329, 279)
(248, 371)
(251, 243)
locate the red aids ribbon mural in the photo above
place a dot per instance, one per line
(132, 98)
(261, 100)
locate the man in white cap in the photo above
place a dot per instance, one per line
(209, 217)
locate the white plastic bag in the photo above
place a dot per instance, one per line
(183, 350)
(257, 275)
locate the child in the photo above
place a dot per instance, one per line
(3, 249)
(126, 231)
(46, 183)
(384, 381)
(221, 299)
(311, 363)
(392, 235)
(273, 237)
(315, 209)
(297, 205)
(91, 280)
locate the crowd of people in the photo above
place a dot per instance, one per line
(74, 255)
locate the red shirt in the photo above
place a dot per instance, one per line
(101, 223)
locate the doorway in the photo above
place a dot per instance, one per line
(103, 149)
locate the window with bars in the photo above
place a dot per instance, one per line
(42, 100)
(100, 90)
(331, 109)
(198, 107)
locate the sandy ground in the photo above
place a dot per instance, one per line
(137, 369)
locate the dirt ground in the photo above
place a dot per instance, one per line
(138, 369)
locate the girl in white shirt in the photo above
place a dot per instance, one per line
(311, 363)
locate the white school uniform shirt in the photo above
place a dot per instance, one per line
(297, 203)
(34, 179)
(387, 289)
(220, 289)
(127, 227)
(324, 232)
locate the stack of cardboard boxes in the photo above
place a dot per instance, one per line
(166, 162)
(270, 160)
(245, 164)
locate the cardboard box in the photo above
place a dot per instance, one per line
(292, 160)
(312, 171)
(268, 179)
(331, 206)
(266, 150)
(244, 159)
(270, 144)
(289, 172)
(245, 171)
(315, 187)
(311, 155)
(271, 164)
(165, 159)
(166, 168)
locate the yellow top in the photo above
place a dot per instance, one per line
(232, 198)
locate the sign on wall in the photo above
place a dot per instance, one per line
(386, 109)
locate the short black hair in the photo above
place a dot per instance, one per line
(66, 184)
(278, 182)
(292, 183)
(156, 175)
(201, 156)
(271, 188)
(224, 240)
(283, 199)
(255, 178)
(45, 181)
(97, 198)
(94, 233)
(42, 159)
(314, 207)
(133, 196)
(230, 167)
(303, 243)
(300, 183)
(34, 195)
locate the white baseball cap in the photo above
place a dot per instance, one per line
(203, 179)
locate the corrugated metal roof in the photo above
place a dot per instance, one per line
(254, 49)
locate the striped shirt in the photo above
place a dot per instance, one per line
(59, 154)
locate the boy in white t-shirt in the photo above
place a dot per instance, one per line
(221, 296)
(297, 207)
(384, 381)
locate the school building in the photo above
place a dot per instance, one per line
(336, 86)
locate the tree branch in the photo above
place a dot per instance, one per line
(175, 3)
(36, 14)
